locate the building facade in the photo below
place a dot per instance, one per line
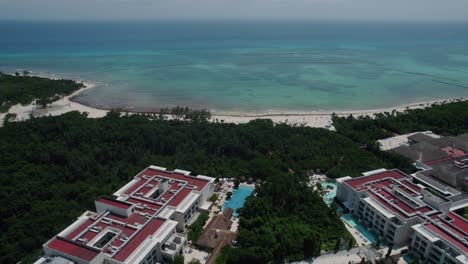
(404, 213)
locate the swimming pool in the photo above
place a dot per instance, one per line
(330, 195)
(238, 199)
(409, 258)
(352, 222)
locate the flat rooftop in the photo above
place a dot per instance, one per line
(361, 182)
(118, 236)
(452, 228)
(72, 248)
(428, 149)
(394, 191)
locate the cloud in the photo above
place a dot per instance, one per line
(235, 9)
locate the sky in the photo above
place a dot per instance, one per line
(386, 10)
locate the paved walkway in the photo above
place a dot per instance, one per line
(354, 255)
(191, 253)
(400, 140)
(356, 234)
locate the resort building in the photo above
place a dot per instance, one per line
(403, 211)
(144, 223)
(442, 159)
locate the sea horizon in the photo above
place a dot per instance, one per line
(245, 66)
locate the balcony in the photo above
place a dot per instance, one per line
(174, 244)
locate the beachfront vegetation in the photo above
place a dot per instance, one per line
(445, 119)
(17, 89)
(52, 169)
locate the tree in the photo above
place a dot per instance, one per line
(214, 197)
(351, 243)
(236, 183)
(179, 259)
(319, 186)
(9, 117)
(93, 157)
(196, 228)
(24, 90)
(377, 242)
(390, 248)
(43, 102)
(198, 115)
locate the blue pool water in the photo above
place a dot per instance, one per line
(408, 258)
(328, 197)
(352, 222)
(238, 199)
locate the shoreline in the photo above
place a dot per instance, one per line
(59, 107)
(275, 113)
(322, 119)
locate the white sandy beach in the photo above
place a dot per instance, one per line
(58, 107)
(311, 119)
(321, 119)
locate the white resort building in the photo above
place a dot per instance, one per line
(144, 223)
(404, 211)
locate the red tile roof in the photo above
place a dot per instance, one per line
(149, 229)
(437, 160)
(453, 152)
(200, 183)
(180, 197)
(114, 203)
(149, 204)
(459, 222)
(73, 249)
(411, 186)
(135, 186)
(358, 183)
(387, 205)
(80, 228)
(131, 219)
(447, 237)
(378, 186)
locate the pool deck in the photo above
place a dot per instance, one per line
(228, 186)
(329, 194)
(356, 234)
(355, 255)
(238, 198)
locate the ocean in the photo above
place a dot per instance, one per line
(239, 66)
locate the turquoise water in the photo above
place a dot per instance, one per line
(238, 199)
(246, 66)
(328, 197)
(351, 221)
(409, 258)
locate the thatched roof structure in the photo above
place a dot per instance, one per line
(218, 231)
